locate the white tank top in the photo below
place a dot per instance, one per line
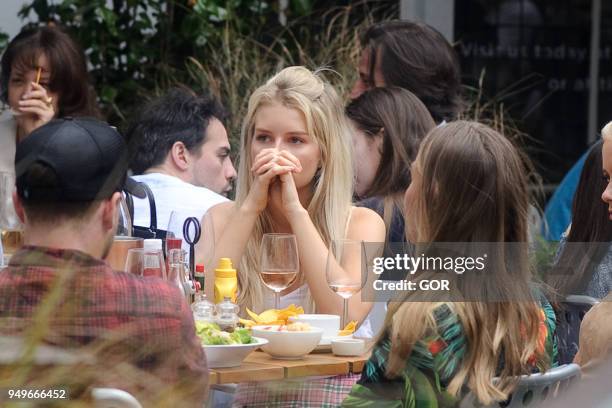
(297, 297)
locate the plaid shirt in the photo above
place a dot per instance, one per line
(144, 321)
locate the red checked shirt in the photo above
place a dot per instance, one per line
(146, 320)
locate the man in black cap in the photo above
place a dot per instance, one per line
(69, 176)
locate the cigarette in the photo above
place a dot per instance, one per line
(38, 75)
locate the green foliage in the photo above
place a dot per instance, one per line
(544, 255)
(4, 38)
(126, 44)
(138, 48)
(241, 62)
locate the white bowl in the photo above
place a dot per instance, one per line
(230, 355)
(290, 345)
(348, 347)
(325, 343)
(329, 323)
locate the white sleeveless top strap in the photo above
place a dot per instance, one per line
(297, 297)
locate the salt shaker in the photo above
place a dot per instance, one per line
(227, 315)
(203, 310)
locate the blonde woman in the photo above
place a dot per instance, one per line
(595, 330)
(468, 185)
(295, 176)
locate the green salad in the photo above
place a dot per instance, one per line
(212, 335)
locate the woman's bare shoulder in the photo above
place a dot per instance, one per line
(366, 224)
(222, 209)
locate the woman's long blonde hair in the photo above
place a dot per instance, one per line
(299, 88)
(474, 189)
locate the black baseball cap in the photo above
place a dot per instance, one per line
(88, 158)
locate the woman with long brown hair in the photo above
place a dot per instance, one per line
(43, 76)
(413, 56)
(390, 124)
(468, 185)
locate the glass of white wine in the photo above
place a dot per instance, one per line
(10, 225)
(343, 270)
(279, 263)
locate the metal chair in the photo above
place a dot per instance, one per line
(574, 307)
(113, 398)
(221, 395)
(12, 348)
(532, 390)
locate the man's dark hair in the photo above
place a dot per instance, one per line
(418, 58)
(178, 116)
(40, 175)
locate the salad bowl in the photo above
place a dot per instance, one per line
(224, 349)
(230, 355)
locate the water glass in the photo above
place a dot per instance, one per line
(146, 263)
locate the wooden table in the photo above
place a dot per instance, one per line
(259, 366)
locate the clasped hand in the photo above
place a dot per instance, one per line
(273, 170)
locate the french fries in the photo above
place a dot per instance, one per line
(272, 316)
(349, 329)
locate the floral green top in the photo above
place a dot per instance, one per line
(432, 364)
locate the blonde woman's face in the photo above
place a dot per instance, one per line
(282, 128)
(410, 200)
(606, 152)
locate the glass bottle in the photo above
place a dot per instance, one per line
(178, 273)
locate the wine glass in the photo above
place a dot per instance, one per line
(343, 270)
(10, 225)
(279, 262)
(175, 224)
(177, 271)
(205, 249)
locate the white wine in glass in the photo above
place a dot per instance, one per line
(279, 263)
(10, 225)
(343, 270)
(346, 291)
(11, 241)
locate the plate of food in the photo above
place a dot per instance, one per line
(225, 349)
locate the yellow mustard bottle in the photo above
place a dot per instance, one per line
(226, 281)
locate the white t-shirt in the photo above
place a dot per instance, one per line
(173, 194)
